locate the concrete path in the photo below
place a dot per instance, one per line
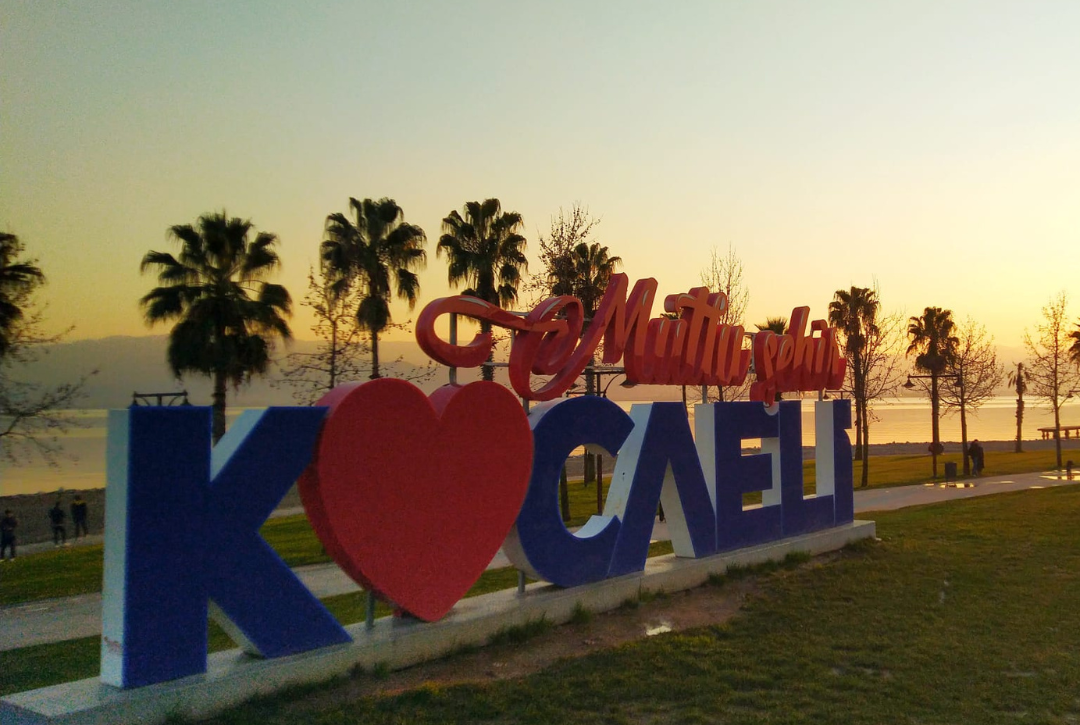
(55, 620)
(887, 499)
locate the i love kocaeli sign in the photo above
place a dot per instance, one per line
(413, 495)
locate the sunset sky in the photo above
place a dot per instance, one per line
(931, 146)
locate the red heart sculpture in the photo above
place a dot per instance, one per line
(412, 498)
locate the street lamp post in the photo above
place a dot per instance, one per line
(935, 446)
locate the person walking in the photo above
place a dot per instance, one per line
(8, 524)
(58, 517)
(78, 516)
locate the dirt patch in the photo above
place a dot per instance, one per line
(706, 605)
(700, 607)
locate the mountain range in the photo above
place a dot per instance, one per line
(127, 365)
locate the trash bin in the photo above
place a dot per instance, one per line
(950, 471)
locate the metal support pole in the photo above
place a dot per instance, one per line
(521, 582)
(453, 341)
(369, 616)
(599, 468)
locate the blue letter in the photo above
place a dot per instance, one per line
(733, 474)
(539, 543)
(801, 515)
(832, 459)
(182, 528)
(659, 462)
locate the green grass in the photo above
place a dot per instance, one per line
(967, 612)
(915, 469)
(55, 573)
(581, 614)
(521, 633)
(68, 572)
(78, 570)
(964, 612)
(32, 667)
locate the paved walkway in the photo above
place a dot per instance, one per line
(54, 620)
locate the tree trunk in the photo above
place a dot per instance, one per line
(858, 432)
(865, 478)
(1020, 423)
(374, 356)
(590, 461)
(935, 431)
(487, 372)
(963, 438)
(859, 421)
(1057, 433)
(333, 355)
(858, 391)
(219, 406)
(861, 426)
(564, 495)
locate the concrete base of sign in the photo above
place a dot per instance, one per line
(233, 677)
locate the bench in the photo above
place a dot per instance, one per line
(1065, 429)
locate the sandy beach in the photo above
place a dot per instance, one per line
(32, 509)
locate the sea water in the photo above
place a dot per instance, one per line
(896, 420)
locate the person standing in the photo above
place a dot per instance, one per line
(976, 452)
(78, 516)
(58, 517)
(8, 524)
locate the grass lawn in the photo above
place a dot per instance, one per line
(966, 612)
(67, 572)
(916, 469)
(41, 665)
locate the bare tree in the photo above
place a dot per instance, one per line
(32, 415)
(978, 374)
(1051, 371)
(880, 356)
(568, 230)
(725, 274)
(573, 262)
(342, 354)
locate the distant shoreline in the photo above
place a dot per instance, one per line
(32, 508)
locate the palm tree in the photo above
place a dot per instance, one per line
(18, 279)
(773, 324)
(1018, 381)
(367, 254)
(1074, 348)
(777, 325)
(934, 343)
(485, 250)
(854, 312)
(589, 268)
(226, 314)
(587, 272)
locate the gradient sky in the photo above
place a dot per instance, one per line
(931, 146)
